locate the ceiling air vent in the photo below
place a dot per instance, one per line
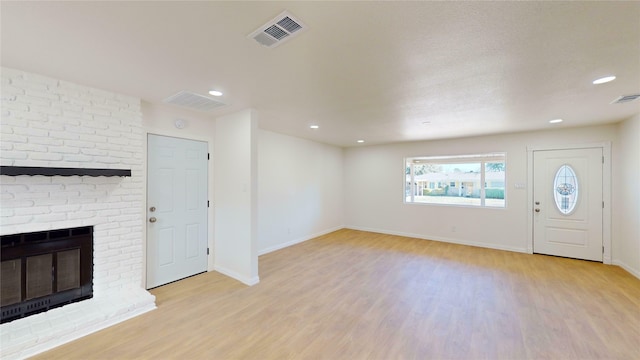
(193, 101)
(282, 28)
(626, 98)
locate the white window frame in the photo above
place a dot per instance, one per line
(453, 159)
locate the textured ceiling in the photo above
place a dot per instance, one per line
(378, 71)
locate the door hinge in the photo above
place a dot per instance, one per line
(603, 249)
(603, 204)
(207, 251)
(208, 156)
(207, 203)
(603, 159)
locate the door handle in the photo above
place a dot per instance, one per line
(152, 219)
(537, 210)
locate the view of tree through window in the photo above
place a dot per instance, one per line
(472, 180)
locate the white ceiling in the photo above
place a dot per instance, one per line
(363, 70)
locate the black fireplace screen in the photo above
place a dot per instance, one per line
(44, 270)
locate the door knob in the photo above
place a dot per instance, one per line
(537, 210)
(152, 219)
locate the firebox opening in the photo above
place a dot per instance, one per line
(44, 270)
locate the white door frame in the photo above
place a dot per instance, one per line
(606, 192)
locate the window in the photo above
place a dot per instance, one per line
(566, 189)
(470, 180)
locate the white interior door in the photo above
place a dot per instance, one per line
(176, 209)
(568, 202)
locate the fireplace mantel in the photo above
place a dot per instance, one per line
(56, 171)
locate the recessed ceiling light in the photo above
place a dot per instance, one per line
(555, 121)
(360, 141)
(603, 80)
(215, 93)
(314, 126)
(426, 122)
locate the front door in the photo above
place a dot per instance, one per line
(176, 209)
(568, 202)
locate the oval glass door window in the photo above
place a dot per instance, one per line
(565, 187)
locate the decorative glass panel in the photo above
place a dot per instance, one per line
(565, 187)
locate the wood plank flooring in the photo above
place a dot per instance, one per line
(359, 295)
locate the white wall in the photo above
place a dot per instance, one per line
(235, 199)
(299, 190)
(305, 189)
(160, 120)
(626, 197)
(374, 191)
(47, 122)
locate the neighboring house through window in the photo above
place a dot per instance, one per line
(469, 180)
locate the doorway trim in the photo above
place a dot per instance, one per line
(606, 192)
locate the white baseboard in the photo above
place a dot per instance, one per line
(298, 240)
(628, 268)
(442, 239)
(250, 281)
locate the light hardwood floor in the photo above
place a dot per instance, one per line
(359, 295)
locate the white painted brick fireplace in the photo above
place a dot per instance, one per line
(47, 122)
